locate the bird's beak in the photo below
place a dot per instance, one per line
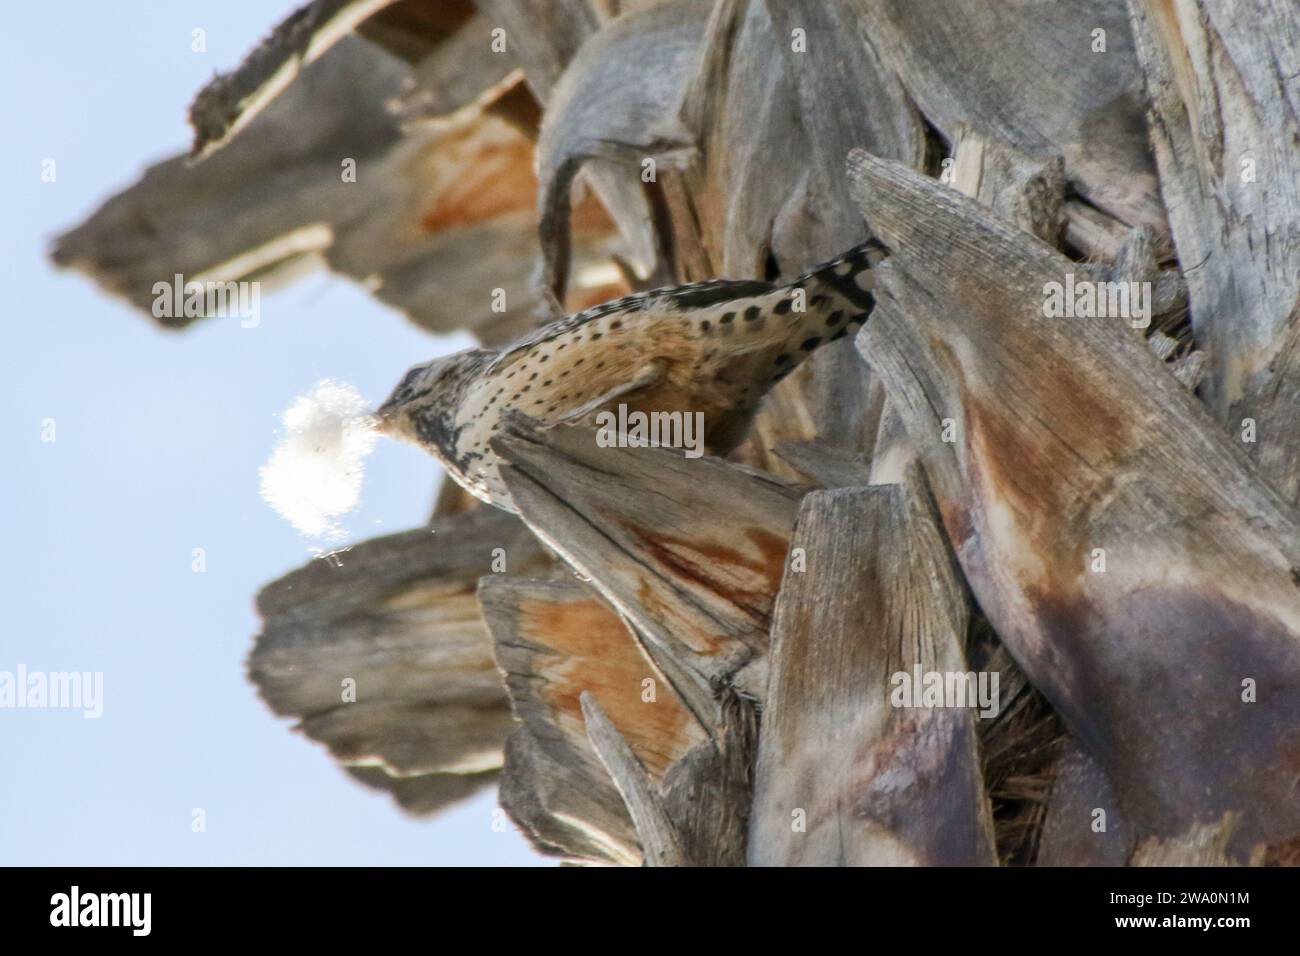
(385, 418)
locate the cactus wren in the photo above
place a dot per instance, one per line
(713, 347)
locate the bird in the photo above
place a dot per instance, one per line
(714, 347)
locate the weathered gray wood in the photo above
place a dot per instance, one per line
(1084, 825)
(413, 29)
(831, 399)
(438, 217)
(753, 97)
(1024, 190)
(275, 183)
(690, 551)
(615, 103)
(555, 641)
(565, 807)
(678, 85)
(458, 72)
(546, 36)
(658, 834)
(709, 791)
(232, 100)
(846, 97)
(1025, 72)
(397, 616)
(1206, 844)
(1030, 193)
(567, 782)
(1056, 455)
(408, 31)
(1092, 232)
(828, 465)
(845, 775)
(1139, 259)
(893, 449)
(412, 32)
(735, 196)
(1027, 191)
(1225, 101)
(427, 794)
(785, 418)
(1066, 435)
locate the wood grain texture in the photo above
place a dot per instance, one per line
(1025, 190)
(846, 97)
(440, 215)
(829, 466)
(611, 110)
(457, 72)
(550, 638)
(1071, 436)
(548, 37)
(689, 551)
(1131, 562)
(556, 642)
(869, 783)
(642, 780)
(1224, 85)
(230, 101)
(398, 616)
(655, 827)
(1026, 72)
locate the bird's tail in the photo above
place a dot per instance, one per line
(827, 302)
(844, 284)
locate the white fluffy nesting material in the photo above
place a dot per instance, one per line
(314, 475)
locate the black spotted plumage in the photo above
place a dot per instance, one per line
(709, 348)
(696, 295)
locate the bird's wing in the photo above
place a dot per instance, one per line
(671, 298)
(649, 374)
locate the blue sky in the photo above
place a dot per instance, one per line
(159, 437)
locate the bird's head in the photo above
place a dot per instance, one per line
(428, 393)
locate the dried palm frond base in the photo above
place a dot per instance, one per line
(673, 661)
(1020, 748)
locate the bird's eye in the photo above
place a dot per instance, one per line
(409, 379)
